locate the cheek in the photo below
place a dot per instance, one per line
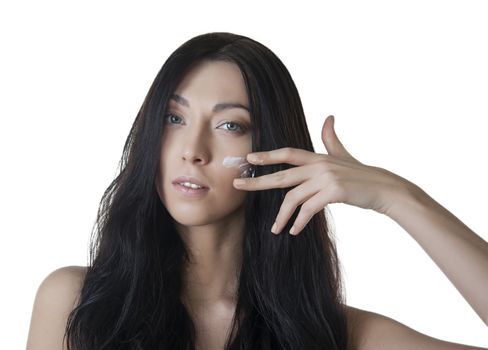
(161, 175)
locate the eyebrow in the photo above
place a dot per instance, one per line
(217, 108)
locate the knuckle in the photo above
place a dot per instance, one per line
(306, 209)
(326, 178)
(287, 151)
(324, 167)
(291, 196)
(280, 177)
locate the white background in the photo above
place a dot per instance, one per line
(406, 81)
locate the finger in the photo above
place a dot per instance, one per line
(312, 206)
(293, 199)
(331, 141)
(289, 155)
(280, 179)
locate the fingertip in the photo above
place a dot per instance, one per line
(332, 119)
(238, 182)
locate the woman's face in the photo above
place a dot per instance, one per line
(197, 138)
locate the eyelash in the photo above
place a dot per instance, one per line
(242, 128)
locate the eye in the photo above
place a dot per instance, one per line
(234, 127)
(239, 129)
(168, 116)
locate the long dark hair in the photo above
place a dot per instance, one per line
(290, 293)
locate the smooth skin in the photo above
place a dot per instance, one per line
(323, 179)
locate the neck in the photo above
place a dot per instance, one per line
(215, 250)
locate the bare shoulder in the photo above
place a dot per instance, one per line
(56, 297)
(373, 331)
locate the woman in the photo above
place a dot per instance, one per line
(183, 256)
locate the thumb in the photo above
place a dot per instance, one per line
(331, 141)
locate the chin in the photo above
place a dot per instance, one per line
(190, 215)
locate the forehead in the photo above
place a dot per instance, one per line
(212, 82)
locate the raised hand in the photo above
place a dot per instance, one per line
(320, 179)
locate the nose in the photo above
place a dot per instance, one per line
(195, 148)
(194, 157)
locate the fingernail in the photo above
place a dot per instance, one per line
(239, 182)
(292, 230)
(273, 229)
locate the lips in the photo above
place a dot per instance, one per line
(191, 179)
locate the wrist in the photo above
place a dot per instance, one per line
(408, 198)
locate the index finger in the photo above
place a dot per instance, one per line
(290, 155)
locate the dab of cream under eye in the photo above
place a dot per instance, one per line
(230, 162)
(237, 162)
